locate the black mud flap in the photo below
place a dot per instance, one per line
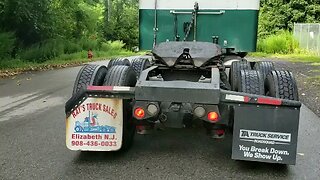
(265, 133)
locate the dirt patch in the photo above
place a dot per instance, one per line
(308, 79)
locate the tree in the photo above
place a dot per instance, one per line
(28, 19)
(276, 15)
(123, 23)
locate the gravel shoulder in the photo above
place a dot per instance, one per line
(308, 80)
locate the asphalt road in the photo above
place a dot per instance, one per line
(32, 143)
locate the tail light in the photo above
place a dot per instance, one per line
(213, 116)
(139, 113)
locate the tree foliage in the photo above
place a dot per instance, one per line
(7, 44)
(68, 26)
(36, 26)
(124, 22)
(38, 20)
(276, 15)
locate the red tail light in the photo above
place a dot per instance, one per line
(213, 116)
(139, 113)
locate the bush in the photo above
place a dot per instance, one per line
(73, 56)
(89, 43)
(112, 46)
(281, 43)
(44, 51)
(71, 47)
(7, 44)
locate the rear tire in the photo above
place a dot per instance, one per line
(265, 67)
(282, 84)
(140, 64)
(119, 62)
(251, 82)
(234, 74)
(124, 76)
(89, 75)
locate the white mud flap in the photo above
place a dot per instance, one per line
(95, 125)
(265, 134)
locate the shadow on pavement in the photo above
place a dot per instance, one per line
(174, 150)
(85, 157)
(263, 167)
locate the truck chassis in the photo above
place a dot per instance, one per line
(191, 81)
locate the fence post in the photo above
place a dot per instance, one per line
(308, 36)
(318, 35)
(300, 40)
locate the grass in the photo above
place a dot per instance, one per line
(17, 66)
(295, 57)
(283, 45)
(316, 70)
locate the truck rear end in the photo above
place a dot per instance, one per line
(196, 73)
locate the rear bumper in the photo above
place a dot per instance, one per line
(180, 95)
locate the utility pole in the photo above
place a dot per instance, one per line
(109, 9)
(108, 5)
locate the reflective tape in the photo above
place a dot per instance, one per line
(121, 88)
(237, 98)
(100, 88)
(108, 88)
(269, 101)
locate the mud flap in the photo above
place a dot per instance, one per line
(265, 133)
(96, 124)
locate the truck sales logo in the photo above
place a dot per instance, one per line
(91, 125)
(264, 137)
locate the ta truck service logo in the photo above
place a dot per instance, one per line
(264, 137)
(95, 125)
(260, 145)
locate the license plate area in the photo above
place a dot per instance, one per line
(95, 125)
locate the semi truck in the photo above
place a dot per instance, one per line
(196, 71)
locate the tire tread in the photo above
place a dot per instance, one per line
(265, 67)
(235, 70)
(140, 64)
(284, 84)
(251, 82)
(89, 75)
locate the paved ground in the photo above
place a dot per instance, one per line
(32, 143)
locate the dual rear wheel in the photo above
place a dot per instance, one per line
(263, 79)
(120, 72)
